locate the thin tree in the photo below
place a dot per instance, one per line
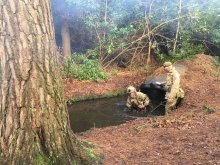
(147, 19)
(105, 18)
(178, 26)
(66, 42)
(34, 122)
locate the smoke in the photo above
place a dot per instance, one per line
(83, 14)
(117, 10)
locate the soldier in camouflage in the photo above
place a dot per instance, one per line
(174, 93)
(136, 100)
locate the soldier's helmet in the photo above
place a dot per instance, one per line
(131, 89)
(167, 64)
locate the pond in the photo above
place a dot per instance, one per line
(98, 113)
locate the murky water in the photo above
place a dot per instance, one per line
(100, 113)
(112, 111)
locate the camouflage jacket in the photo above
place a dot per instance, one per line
(141, 99)
(173, 85)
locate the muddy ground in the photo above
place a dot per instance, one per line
(189, 135)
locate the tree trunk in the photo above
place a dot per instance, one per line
(149, 54)
(178, 26)
(105, 18)
(34, 120)
(65, 33)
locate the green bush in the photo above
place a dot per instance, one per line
(82, 68)
(217, 61)
(186, 51)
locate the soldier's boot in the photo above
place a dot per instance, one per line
(167, 111)
(181, 93)
(170, 107)
(178, 102)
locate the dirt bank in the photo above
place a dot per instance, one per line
(117, 84)
(190, 135)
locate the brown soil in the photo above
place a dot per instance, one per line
(189, 135)
(116, 84)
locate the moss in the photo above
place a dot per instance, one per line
(112, 94)
(92, 97)
(41, 160)
(91, 156)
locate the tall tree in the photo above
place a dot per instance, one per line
(65, 33)
(34, 121)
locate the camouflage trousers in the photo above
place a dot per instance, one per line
(176, 101)
(134, 106)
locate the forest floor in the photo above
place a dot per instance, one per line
(189, 135)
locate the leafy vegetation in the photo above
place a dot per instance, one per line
(187, 51)
(217, 61)
(83, 68)
(131, 32)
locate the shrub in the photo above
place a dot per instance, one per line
(217, 61)
(82, 68)
(185, 51)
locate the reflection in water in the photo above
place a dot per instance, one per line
(100, 113)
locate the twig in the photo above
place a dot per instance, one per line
(158, 106)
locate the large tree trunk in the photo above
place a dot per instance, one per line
(33, 116)
(65, 33)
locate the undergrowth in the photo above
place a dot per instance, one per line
(83, 68)
(187, 51)
(216, 61)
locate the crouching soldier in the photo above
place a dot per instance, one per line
(174, 94)
(136, 100)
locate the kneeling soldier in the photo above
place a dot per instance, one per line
(136, 100)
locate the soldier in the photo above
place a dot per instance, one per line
(174, 93)
(136, 100)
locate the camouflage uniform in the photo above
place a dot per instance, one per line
(172, 85)
(137, 100)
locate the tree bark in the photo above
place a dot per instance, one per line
(65, 33)
(105, 18)
(147, 20)
(33, 116)
(149, 54)
(178, 26)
